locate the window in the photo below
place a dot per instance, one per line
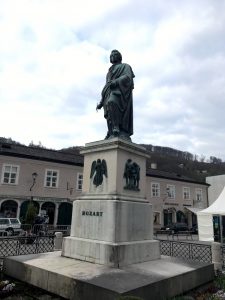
(198, 194)
(4, 221)
(186, 193)
(14, 221)
(51, 178)
(170, 189)
(79, 181)
(10, 174)
(155, 189)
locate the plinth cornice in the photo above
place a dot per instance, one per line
(115, 143)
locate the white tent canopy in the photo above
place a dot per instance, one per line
(218, 207)
(194, 210)
(205, 218)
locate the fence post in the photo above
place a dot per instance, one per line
(58, 241)
(217, 258)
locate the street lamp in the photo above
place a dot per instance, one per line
(31, 210)
(166, 194)
(34, 176)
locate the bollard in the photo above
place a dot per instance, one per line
(58, 241)
(217, 259)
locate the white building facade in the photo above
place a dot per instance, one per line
(57, 183)
(175, 198)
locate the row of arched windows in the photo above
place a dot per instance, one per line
(9, 208)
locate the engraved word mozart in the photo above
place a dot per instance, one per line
(92, 213)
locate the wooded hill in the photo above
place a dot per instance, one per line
(184, 163)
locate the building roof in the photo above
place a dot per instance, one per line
(38, 153)
(171, 176)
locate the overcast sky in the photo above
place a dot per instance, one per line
(54, 56)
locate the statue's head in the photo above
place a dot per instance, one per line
(115, 57)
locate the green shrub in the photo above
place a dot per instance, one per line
(220, 282)
(31, 213)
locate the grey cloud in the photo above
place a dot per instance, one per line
(206, 44)
(28, 34)
(77, 101)
(31, 67)
(75, 104)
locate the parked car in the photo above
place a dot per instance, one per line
(10, 225)
(176, 227)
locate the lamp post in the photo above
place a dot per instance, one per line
(166, 194)
(31, 211)
(34, 177)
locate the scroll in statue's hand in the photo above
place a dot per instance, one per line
(113, 84)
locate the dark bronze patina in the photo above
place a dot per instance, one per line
(132, 175)
(117, 99)
(98, 169)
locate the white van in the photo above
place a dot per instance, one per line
(10, 225)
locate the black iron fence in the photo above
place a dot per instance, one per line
(189, 251)
(52, 229)
(43, 229)
(223, 254)
(46, 229)
(10, 246)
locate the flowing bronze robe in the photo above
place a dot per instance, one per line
(121, 95)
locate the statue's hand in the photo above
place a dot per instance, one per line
(113, 84)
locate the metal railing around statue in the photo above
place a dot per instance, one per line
(189, 251)
(20, 245)
(46, 229)
(223, 254)
(43, 229)
(31, 240)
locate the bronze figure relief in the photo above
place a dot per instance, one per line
(98, 169)
(132, 175)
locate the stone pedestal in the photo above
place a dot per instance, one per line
(112, 224)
